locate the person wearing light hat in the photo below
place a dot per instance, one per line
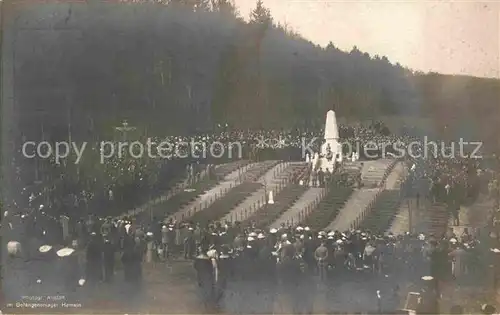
(206, 278)
(459, 261)
(225, 268)
(299, 246)
(46, 257)
(128, 228)
(250, 240)
(321, 256)
(68, 269)
(272, 238)
(212, 253)
(94, 263)
(44, 248)
(261, 236)
(106, 227)
(429, 295)
(164, 240)
(189, 244)
(310, 246)
(287, 249)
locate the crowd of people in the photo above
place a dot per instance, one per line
(289, 260)
(123, 182)
(226, 254)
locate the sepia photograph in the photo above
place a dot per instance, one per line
(250, 157)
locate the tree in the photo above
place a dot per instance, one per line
(225, 7)
(261, 15)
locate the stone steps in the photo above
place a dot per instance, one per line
(436, 218)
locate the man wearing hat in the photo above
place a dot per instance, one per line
(189, 243)
(106, 227)
(308, 249)
(46, 258)
(225, 270)
(266, 259)
(321, 256)
(251, 254)
(206, 278)
(239, 242)
(286, 250)
(272, 238)
(81, 233)
(94, 257)
(428, 303)
(68, 267)
(164, 240)
(108, 259)
(459, 261)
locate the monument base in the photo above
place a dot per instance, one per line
(323, 164)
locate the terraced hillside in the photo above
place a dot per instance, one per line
(295, 212)
(274, 180)
(257, 172)
(204, 200)
(435, 219)
(177, 201)
(375, 172)
(227, 168)
(184, 195)
(222, 206)
(383, 213)
(329, 207)
(283, 201)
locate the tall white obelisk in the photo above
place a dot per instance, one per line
(331, 150)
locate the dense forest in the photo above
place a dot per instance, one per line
(185, 66)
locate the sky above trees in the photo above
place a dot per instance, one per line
(450, 37)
